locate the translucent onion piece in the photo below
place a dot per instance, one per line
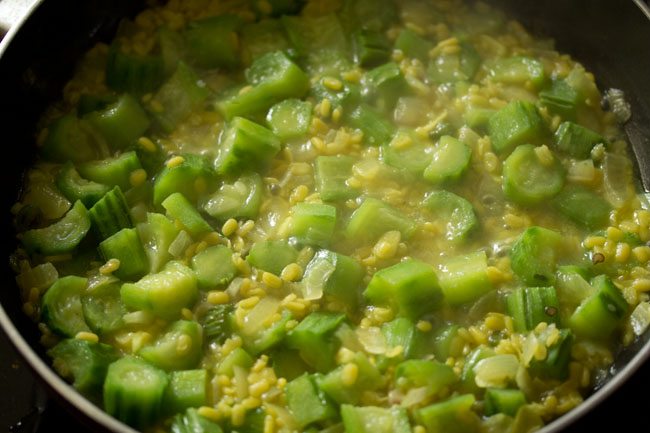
(179, 245)
(640, 318)
(40, 277)
(255, 319)
(617, 178)
(415, 396)
(316, 276)
(372, 340)
(496, 371)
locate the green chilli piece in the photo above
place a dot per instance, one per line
(240, 199)
(517, 123)
(290, 118)
(70, 138)
(530, 178)
(110, 214)
(112, 171)
(454, 415)
(245, 145)
(133, 73)
(370, 47)
(126, 247)
(505, 401)
(82, 362)
(374, 218)
(464, 278)
(61, 306)
(602, 312)
(60, 237)
(182, 94)
(583, 206)
(449, 68)
(213, 42)
(449, 161)
(576, 140)
(134, 391)
(372, 419)
(312, 223)
(74, 187)
(179, 348)
(273, 77)
(454, 211)
(518, 70)
(165, 293)
(534, 255)
(407, 151)
(307, 403)
(179, 208)
(103, 308)
(182, 178)
(122, 122)
(313, 338)
(214, 267)
(530, 306)
(410, 287)
(272, 255)
(331, 175)
(186, 389)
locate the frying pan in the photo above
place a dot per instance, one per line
(610, 37)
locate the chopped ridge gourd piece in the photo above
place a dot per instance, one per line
(517, 123)
(264, 337)
(335, 276)
(372, 419)
(371, 48)
(241, 198)
(556, 363)
(272, 255)
(307, 403)
(453, 67)
(290, 118)
(180, 209)
(114, 171)
(61, 306)
(531, 306)
(410, 287)
(408, 152)
(182, 94)
(377, 130)
(560, 99)
(165, 293)
(74, 187)
(431, 374)
(534, 255)
(601, 313)
(60, 237)
(126, 247)
(464, 278)
(413, 45)
(245, 145)
(263, 37)
(468, 375)
(530, 179)
(216, 323)
(313, 339)
(332, 173)
(505, 401)
(337, 386)
(518, 70)
(237, 358)
(374, 218)
(157, 234)
(122, 122)
(134, 391)
(577, 140)
(449, 161)
(454, 211)
(214, 267)
(132, 72)
(182, 178)
(72, 139)
(186, 389)
(179, 348)
(83, 362)
(272, 77)
(213, 42)
(192, 422)
(454, 415)
(312, 223)
(583, 206)
(103, 308)
(384, 84)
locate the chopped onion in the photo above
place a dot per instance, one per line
(256, 317)
(582, 171)
(640, 318)
(372, 340)
(410, 110)
(617, 177)
(496, 371)
(40, 277)
(240, 377)
(415, 396)
(179, 245)
(316, 276)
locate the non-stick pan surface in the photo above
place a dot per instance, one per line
(610, 37)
